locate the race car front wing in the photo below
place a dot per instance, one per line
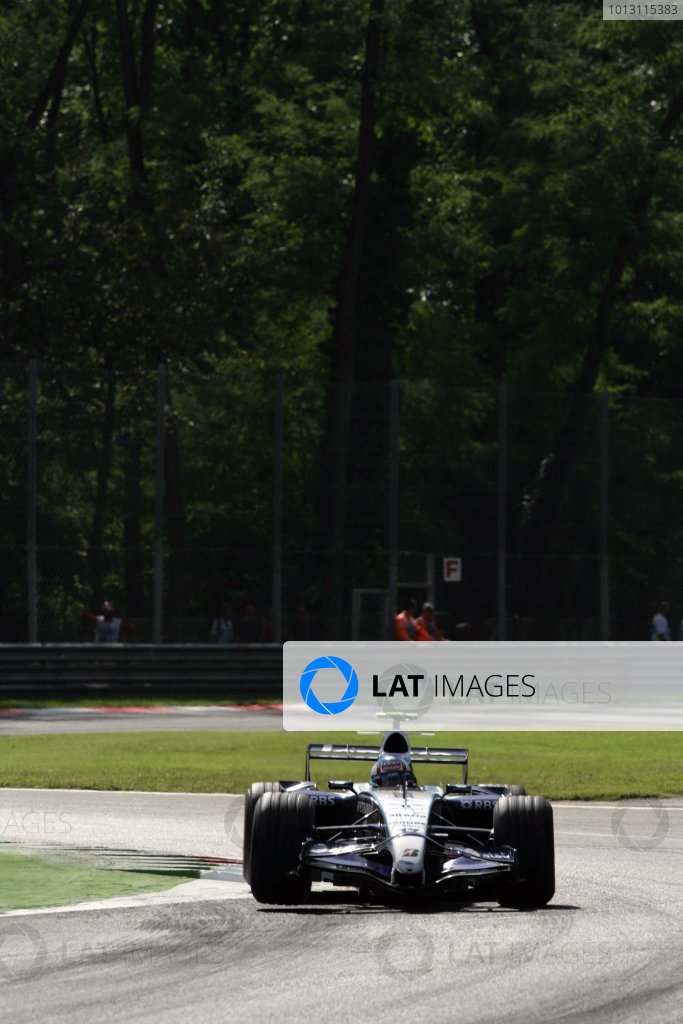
(343, 862)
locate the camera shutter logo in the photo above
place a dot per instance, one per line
(329, 707)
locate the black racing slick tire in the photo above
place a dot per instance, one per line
(252, 797)
(282, 824)
(526, 823)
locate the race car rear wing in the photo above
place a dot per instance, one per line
(418, 755)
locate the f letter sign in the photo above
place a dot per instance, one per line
(452, 570)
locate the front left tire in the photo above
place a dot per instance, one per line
(282, 824)
(526, 823)
(252, 797)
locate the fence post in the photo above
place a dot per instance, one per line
(502, 510)
(32, 500)
(277, 505)
(604, 516)
(394, 397)
(158, 629)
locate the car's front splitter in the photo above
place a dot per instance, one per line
(459, 873)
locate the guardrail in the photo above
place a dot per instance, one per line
(155, 671)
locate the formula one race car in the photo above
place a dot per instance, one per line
(393, 836)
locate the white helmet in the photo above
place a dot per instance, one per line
(392, 770)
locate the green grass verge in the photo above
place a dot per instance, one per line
(27, 882)
(560, 765)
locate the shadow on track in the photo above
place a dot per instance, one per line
(347, 902)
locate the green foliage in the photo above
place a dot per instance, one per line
(519, 148)
(530, 131)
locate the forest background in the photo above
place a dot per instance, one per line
(311, 199)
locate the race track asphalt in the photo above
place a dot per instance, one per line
(83, 721)
(607, 950)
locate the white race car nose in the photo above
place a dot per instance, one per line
(408, 853)
(406, 815)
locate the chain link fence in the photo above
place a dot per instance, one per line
(316, 510)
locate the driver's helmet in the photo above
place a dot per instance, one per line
(390, 770)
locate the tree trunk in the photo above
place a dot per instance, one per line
(90, 43)
(52, 121)
(99, 514)
(147, 52)
(175, 530)
(334, 471)
(133, 571)
(136, 92)
(131, 93)
(58, 72)
(52, 89)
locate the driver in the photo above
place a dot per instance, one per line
(390, 771)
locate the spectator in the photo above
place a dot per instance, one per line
(299, 626)
(463, 631)
(425, 626)
(268, 628)
(222, 631)
(249, 626)
(110, 628)
(404, 623)
(659, 627)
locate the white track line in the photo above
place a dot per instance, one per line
(112, 792)
(653, 806)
